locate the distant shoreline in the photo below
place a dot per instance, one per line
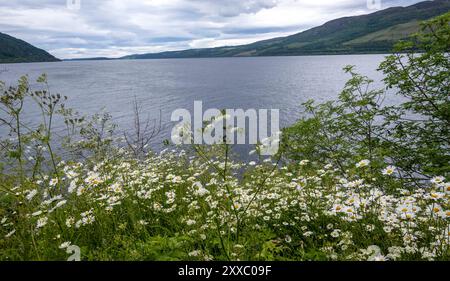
(248, 57)
(206, 57)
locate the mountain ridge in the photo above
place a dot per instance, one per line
(363, 34)
(14, 50)
(327, 39)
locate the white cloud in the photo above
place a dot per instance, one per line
(115, 28)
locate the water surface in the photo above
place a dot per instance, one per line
(161, 86)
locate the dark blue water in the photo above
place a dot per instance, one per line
(282, 83)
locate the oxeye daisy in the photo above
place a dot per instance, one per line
(65, 245)
(363, 163)
(237, 206)
(446, 214)
(389, 170)
(436, 195)
(446, 187)
(437, 180)
(41, 222)
(53, 182)
(435, 209)
(304, 162)
(31, 194)
(190, 222)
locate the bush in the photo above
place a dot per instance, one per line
(413, 136)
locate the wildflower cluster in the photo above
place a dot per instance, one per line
(297, 212)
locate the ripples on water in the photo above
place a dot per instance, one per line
(282, 83)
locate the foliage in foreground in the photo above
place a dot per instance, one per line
(369, 190)
(170, 207)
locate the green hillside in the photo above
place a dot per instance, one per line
(393, 33)
(13, 50)
(372, 33)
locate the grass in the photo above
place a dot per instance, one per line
(394, 33)
(175, 207)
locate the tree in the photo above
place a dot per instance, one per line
(414, 135)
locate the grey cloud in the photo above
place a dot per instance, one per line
(231, 8)
(103, 26)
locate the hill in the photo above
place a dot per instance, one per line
(372, 33)
(13, 50)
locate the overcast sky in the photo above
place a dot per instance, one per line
(115, 28)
